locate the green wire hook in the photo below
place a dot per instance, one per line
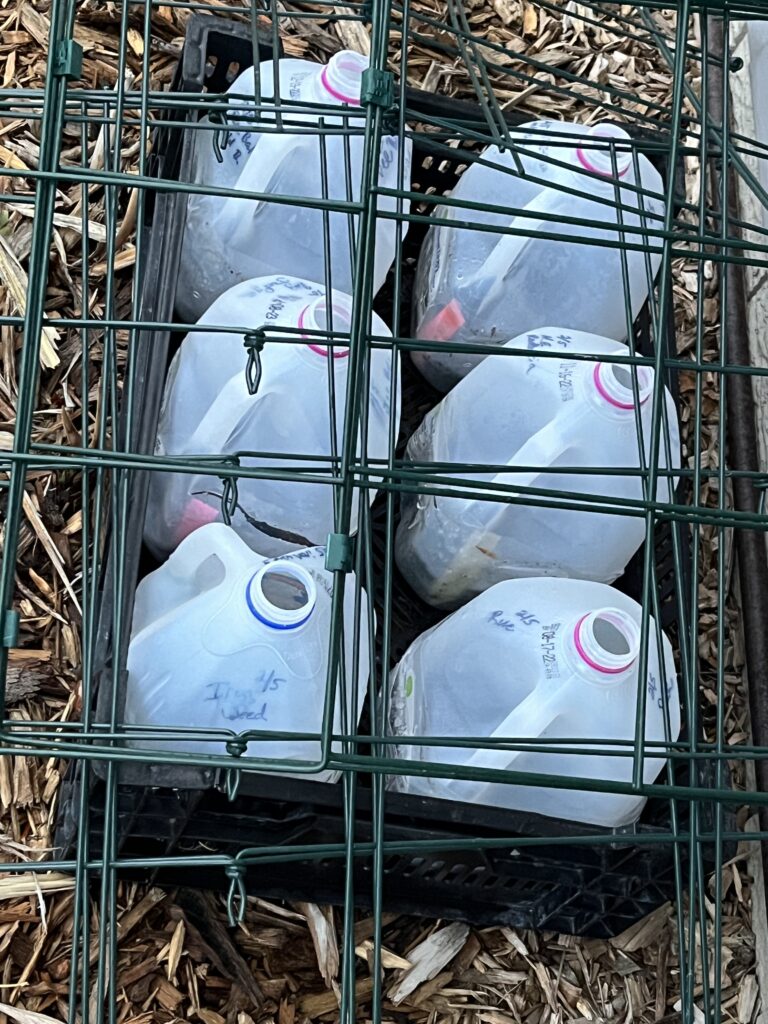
(761, 486)
(254, 343)
(228, 498)
(232, 778)
(236, 896)
(221, 135)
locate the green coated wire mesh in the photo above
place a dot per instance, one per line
(444, 83)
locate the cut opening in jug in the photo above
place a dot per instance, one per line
(342, 76)
(317, 317)
(614, 384)
(600, 160)
(282, 595)
(607, 640)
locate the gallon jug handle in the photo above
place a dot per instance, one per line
(540, 450)
(213, 539)
(508, 249)
(530, 718)
(230, 405)
(257, 174)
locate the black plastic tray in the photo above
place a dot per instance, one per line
(161, 810)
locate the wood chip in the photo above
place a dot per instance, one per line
(96, 232)
(645, 932)
(24, 680)
(175, 951)
(39, 527)
(429, 958)
(14, 277)
(327, 1002)
(14, 886)
(323, 932)
(21, 1016)
(388, 958)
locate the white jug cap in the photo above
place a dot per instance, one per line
(608, 640)
(281, 594)
(599, 161)
(613, 382)
(342, 76)
(314, 317)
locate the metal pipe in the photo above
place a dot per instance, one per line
(743, 454)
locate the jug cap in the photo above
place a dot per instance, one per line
(443, 325)
(599, 161)
(607, 640)
(314, 317)
(282, 595)
(342, 76)
(613, 382)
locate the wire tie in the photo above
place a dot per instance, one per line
(232, 779)
(220, 137)
(254, 343)
(228, 498)
(236, 896)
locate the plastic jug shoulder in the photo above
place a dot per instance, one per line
(225, 641)
(481, 287)
(574, 650)
(229, 239)
(209, 410)
(550, 423)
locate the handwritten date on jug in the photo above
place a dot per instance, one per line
(244, 703)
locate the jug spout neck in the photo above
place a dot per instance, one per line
(603, 645)
(281, 596)
(320, 318)
(601, 157)
(340, 80)
(611, 387)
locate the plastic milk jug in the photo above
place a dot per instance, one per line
(542, 660)
(480, 287)
(227, 240)
(227, 641)
(209, 410)
(540, 414)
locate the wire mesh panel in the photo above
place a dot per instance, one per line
(199, 213)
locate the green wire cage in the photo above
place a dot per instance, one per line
(240, 817)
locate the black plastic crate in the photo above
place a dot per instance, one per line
(573, 886)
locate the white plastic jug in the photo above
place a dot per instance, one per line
(525, 410)
(528, 659)
(223, 639)
(227, 240)
(479, 287)
(208, 410)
